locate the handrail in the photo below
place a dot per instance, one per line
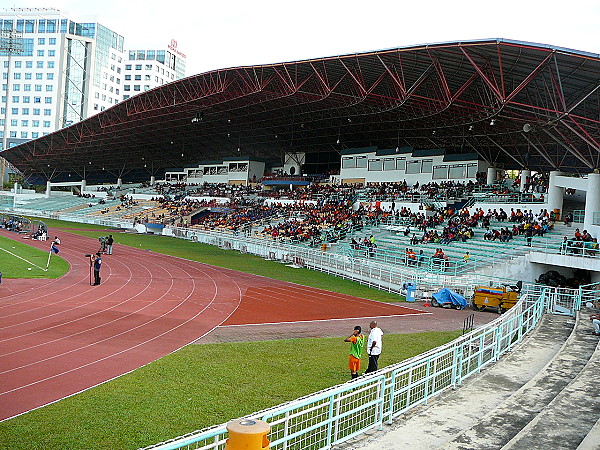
(337, 414)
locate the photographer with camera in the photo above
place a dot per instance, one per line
(97, 263)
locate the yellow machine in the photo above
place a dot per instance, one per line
(500, 298)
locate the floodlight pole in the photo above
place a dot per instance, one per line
(11, 43)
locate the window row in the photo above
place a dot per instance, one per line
(455, 171)
(27, 99)
(28, 76)
(25, 123)
(25, 111)
(29, 65)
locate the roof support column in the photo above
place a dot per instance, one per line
(592, 200)
(491, 175)
(83, 185)
(48, 189)
(119, 182)
(555, 193)
(152, 180)
(525, 174)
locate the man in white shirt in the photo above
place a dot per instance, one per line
(374, 345)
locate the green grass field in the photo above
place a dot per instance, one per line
(12, 266)
(202, 385)
(198, 386)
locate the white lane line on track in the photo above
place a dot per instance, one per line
(135, 346)
(323, 320)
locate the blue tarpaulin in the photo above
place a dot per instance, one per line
(446, 296)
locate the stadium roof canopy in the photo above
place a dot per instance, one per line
(517, 104)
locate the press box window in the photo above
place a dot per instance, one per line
(389, 164)
(375, 164)
(427, 166)
(457, 171)
(400, 163)
(361, 162)
(348, 163)
(413, 167)
(440, 172)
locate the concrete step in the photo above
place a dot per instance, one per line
(507, 420)
(566, 421)
(452, 414)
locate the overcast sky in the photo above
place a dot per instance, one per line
(216, 34)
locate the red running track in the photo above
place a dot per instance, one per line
(59, 337)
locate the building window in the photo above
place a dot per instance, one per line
(389, 164)
(127, 77)
(138, 67)
(148, 66)
(15, 99)
(127, 66)
(16, 87)
(51, 52)
(26, 99)
(39, 64)
(39, 76)
(47, 112)
(14, 122)
(413, 167)
(25, 111)
(28, 76)
(35, 123)
(138, 78)
(23, 134)
(136, 87)
(35, 134)
(48, 100)
(24, 123)
(375, 164)
(38, 88)
(400, 163)
(41, 41)
(36, 111)
(52, 41)
(40, 52)
(37, 99)
(13, 134)
(27, 87)
(46, 124)
(127, 88)
(49, 88)
(457, 171)
(146, 77)
(427, 166)
(50, 64)
(50, 76)
(28, 64)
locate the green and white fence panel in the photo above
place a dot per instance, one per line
(334, 415)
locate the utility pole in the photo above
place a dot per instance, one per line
(11, 43)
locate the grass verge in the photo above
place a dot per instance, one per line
(198, 386)
(12, 266)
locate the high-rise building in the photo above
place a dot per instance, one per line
(147, 69)
(57, 71)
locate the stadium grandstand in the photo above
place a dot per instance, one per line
(458, 165)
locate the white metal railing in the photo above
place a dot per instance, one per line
(335, 415)
(376, 274)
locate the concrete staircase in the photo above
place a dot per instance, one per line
(543, 395)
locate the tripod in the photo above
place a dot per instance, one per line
(91, 268)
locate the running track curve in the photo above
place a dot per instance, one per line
(59, 337)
